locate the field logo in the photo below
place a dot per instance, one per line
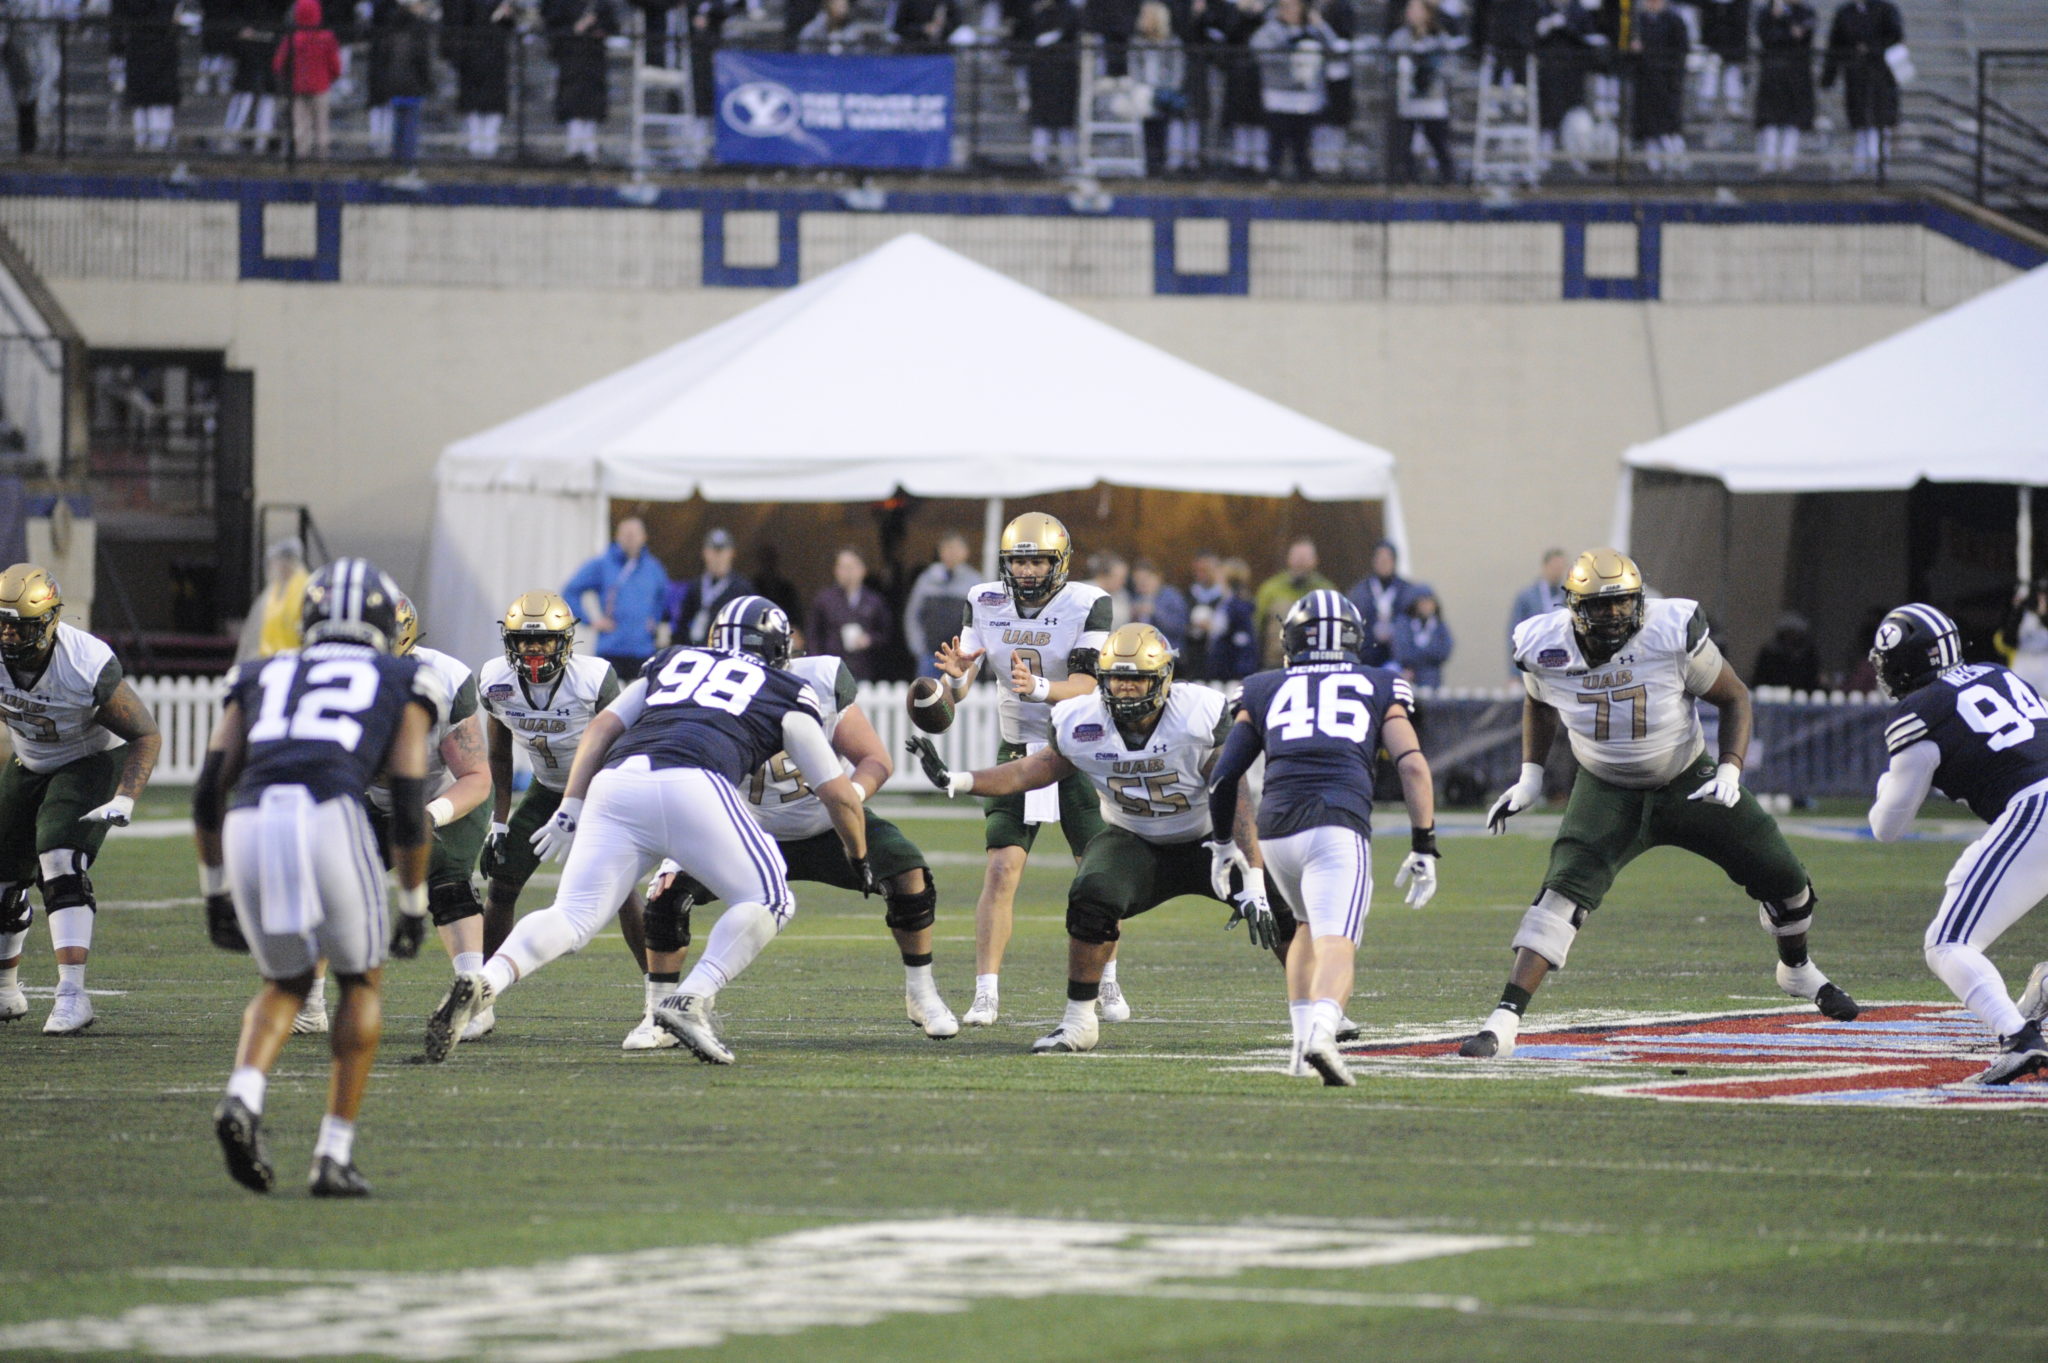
(597, 1306)
(1919, 1055)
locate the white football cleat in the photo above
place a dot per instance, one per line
(1112, 1004)
(13, 1003)
(1807, 982)
(1347, 1030)
(70, 1015)
(648, 1037)
(932, 1014)
(983, 1013)
(2033, 1003)
(1069, 1038)
(481, 1025)
(1297, 1068)
(312, 1018)
(1495, 1039)
(1319, 1052)
(687, 1017)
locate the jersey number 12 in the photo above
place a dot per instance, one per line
(335, 689)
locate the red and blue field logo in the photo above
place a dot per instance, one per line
(1919, 1055)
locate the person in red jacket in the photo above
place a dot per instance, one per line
(308, 61)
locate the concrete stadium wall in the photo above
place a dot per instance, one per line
(1458, 345)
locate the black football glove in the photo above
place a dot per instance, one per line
(865, 874)
(494, 850)
(1251, 909)
(935, 769)
(222, 928)
(406, 936)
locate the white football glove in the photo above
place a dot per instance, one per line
(1420, 868)
(666, 872)
(1224, 857)
(1523, 793)
(1724, 789)
(551, 840)
(115, 813)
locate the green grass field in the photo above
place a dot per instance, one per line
(544, 1196)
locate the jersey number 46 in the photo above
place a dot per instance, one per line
(1337, 710)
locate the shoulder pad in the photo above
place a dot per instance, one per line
(431, 689)
(1538, 633)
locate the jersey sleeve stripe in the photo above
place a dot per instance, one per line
(1897, 739)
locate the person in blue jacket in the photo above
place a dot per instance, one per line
(1422, 641)
(620, 594)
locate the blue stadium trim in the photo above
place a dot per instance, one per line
(324, 265)
(1236, 278)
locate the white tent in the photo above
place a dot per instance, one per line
(910, 367)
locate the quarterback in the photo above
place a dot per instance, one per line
(1621, 674)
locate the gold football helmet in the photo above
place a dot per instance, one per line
(1135, 653)
(30, 602)
(408, 627)
(539, 631)
(1034, 535)
(1604, 593)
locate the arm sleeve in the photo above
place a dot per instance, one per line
(608, 689)
(1702, 667)
(1239, 752)
(970, 637)
(845, 690)
(803, 738)
(1902, 788)
(109, 682)
(1101, 620)
(630, 703)
(464, 704)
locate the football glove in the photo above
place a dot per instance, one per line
(115, 813)
(551, 840)
(1226, 856)
(935, 769)
(494, 850)
(222, 928)
(1523, 793)
(410, 929)
(1251, 909)
(1420, 868)
(865, 874)
(1724, 788)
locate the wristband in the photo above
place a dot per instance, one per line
(1040, 688)
(498, 829)
(412, 900)
(960, 783)
(213, 880)
(439, 811)
(1423, 840)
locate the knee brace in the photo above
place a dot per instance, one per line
(912, 912)
(666, 918)
(15, 913)
(61, 877)
(1091, 922)
(452, 902)
(1549, 927)
(1781, 919)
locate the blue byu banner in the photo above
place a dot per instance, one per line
(881, 112)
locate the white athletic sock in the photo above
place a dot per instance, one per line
(742, 930)
(468, 962)
(11, 945)
(1299, 1012)
(337, 1139)
(1326, 1014)
(1109, 972)
(538, 939)
(918, 979)
(71, 979)
(317, 995)
(1080, 1014)
(985, 984)
(1975, 981)
(658, 990)
(248, 1083)
(71, 927)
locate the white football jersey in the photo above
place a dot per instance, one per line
(53, 721)
(781, 801)
(1633, 720)
(1078, 616)
(1158, 790)
(461, 684)
(548, 722)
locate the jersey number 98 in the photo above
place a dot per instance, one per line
(722, 683)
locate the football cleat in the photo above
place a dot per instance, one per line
(687, 1017)
(1496, 1040)
(1068, 1039)
(1319, 1052)
(481, 1025)
(1297, 1068)
(1806, 982)
(983, 1013)
(312, 1018)
(932, 1014)
(2033, 1002)
(1347, 1030)
(2021, 1054)
(13, 1003)
(469, 995)
(1112, 1004)
(332, 1179)
(70, 1015)
(240, 1132)
(648, 1037)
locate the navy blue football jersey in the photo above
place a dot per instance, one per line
(718, 711)
(324, 718)
(1320, 729)
(1991, 728)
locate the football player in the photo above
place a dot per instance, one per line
(1979, 734)
(70, 780)
(1147, 747)
(287, 859)
(660, 767)
(1621, 674)
(1320, 723)
(539, 696)
(1041, 633)
(786, 807)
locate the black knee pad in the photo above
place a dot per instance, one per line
(1781, 920)
(1091, 922)
(452, 902)
(666, 918)
(913, 912)
(73, 891)
(15, 913)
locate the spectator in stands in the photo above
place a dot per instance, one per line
(1382, 597)
(307, 64)
(1660, 42)
(402, 74)
(1508, 35)
(32, 59)
(850, 618)
(272, 625)
(1283, 589)
(1540, 597)
(144, 33)
(1198, 46)
(1566, 40)
(921, 25)
(692, 603)
(476, 40)
(770, 583)
(1158, 603)
(1724, 33)
(707, 32)
(217, 22)
(628, 585)
(1784, 86)
(1422, 49)
(1110, 572)
(938, 602)
(1340, 98)
(1159, 67)
(833, 30)
(1422, 641)
(1048, 36)
(1788, 657)
(1235, 647)
(1206, 590)
(577, 30)
(2022, 637)
(1294, 46)
(1860, 42)
(1232, 25)
(253, 104)
(1115, 23)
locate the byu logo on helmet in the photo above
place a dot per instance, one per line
(1889, 634)
(761, 108)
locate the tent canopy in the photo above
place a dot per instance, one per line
(1958, 398)
(914, 367)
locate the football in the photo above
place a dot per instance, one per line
(931, 705)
